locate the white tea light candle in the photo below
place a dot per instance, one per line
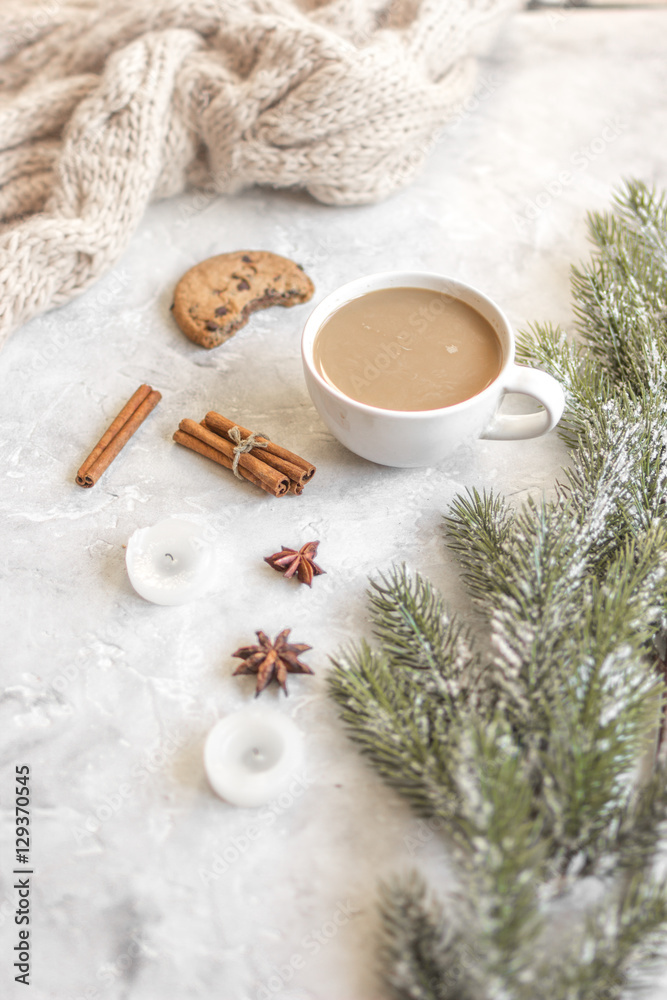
(251, 756)
(171, 562)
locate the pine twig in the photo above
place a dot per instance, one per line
(530, 756)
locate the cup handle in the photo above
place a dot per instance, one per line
(542, 387)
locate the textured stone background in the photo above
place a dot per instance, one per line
(109, 698)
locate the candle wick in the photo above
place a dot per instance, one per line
(169, 555)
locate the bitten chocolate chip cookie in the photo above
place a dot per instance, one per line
(215, 298)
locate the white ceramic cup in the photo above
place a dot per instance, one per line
(414, 438)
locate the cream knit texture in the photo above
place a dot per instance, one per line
(105, 106)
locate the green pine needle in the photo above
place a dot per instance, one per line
(530, 754)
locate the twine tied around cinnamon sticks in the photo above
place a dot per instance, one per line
(253, 456)
(244, 445)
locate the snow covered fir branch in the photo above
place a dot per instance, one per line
(536, 737)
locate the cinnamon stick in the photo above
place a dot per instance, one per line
(267, 477)
(130, 418)
(202, 448)
(293, 472)
(279, 458)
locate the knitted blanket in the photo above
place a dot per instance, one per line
(106, 106)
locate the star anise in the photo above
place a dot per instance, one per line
(301, 562)
(272, 660)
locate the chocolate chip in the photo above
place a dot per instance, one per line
(248, 260)
(243, 285)
(221, 311)
(210, 325)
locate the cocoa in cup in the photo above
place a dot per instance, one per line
(404, 367)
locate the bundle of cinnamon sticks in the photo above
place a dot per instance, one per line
(266, 464)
